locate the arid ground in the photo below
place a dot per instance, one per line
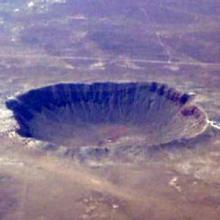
(46, 42)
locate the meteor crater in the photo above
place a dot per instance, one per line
(103, 114)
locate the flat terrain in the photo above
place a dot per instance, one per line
(49, 42)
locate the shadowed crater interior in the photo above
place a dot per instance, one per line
(107, 113)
